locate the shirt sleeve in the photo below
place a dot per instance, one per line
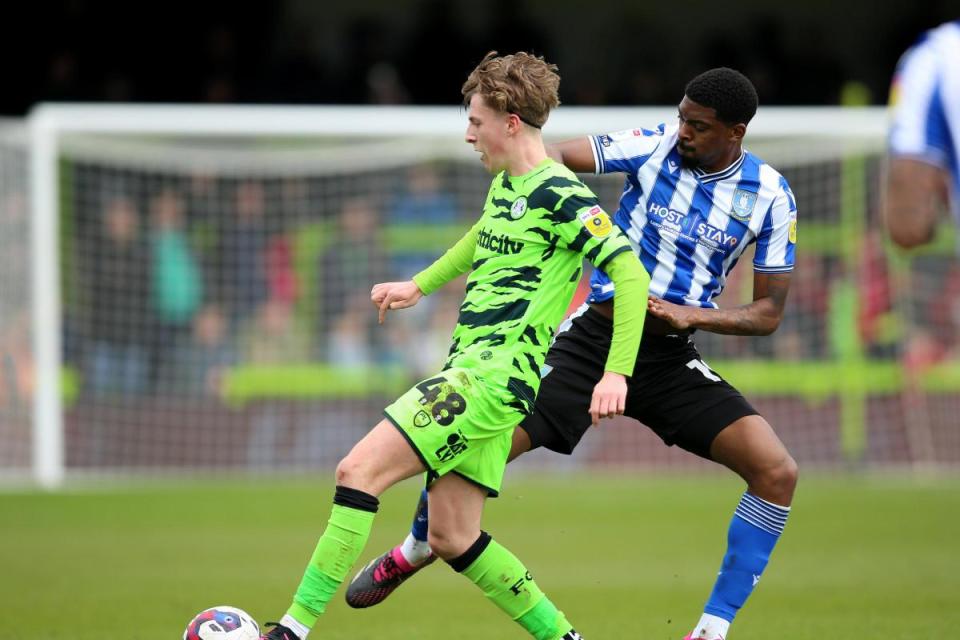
(625, 151)
(777, 239)
(456, 261)
(629, 312)
(587, 229)
(919, 127)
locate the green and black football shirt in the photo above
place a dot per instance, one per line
(530, 243)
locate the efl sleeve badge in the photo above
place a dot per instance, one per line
(597, 222)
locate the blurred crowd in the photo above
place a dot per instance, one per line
(173, 281)
(293, 52)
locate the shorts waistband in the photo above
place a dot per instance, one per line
(652, 325)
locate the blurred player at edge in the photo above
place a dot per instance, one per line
(693, 200)
(924, 142)
(524, 256)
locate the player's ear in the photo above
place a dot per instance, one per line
(737, 131)
(514, 123)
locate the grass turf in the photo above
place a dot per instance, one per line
(623, 556)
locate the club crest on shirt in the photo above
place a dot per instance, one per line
(421, 420)
(743, 203)
(597, 222)
(519, 208)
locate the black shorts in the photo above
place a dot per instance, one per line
(671, 391)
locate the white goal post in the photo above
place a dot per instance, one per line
(808, 134)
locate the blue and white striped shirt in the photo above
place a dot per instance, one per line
(690, 227)
(925, 96)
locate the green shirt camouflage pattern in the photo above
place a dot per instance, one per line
(534, 233)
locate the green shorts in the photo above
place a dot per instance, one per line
(455, 422)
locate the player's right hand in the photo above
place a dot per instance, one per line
(394, 295)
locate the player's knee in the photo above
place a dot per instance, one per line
(351, 473)
(448, 543)
(779, 481)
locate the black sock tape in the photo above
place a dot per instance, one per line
(356, 499)
(461, 562)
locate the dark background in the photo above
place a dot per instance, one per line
(378, 51)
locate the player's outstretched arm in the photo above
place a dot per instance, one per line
(759, 318)
(916, 194)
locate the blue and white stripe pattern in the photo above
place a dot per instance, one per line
(690, 227)
(762, 514)
(925, 96)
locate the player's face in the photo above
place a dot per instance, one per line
(487, 131)
(703, 140)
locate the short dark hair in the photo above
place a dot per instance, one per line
(727, 91)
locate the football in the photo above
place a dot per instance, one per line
(222, 623)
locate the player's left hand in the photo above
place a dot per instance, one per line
(609, 397)
(678, 316)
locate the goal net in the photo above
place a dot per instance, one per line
(211, 267)
(16, 361)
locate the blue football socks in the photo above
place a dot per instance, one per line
(420, 521)
(754, 531)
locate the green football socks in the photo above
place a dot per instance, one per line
(338, 548)
(508, 584)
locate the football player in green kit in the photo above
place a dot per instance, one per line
(524, 256)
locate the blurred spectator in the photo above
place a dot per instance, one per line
(203, 196)
(17, 377)
(876, 298)
(350, 340)
(421, 338)
(421, 202)
(17, 380)
(951, 302)
(280, 274)
(176, 284)
(200, 359)
(355, 260)
(295, 200)
(117, 362)
(274, 335)
(802, 334)
(14, 248)
(242, 240)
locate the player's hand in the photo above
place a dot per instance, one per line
(678, 316)
(394, 295)
(609, 397)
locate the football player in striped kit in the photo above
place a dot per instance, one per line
(924, 140)
(693, 200)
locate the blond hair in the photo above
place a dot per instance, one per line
(520, 83)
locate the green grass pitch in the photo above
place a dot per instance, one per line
(624, 556)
